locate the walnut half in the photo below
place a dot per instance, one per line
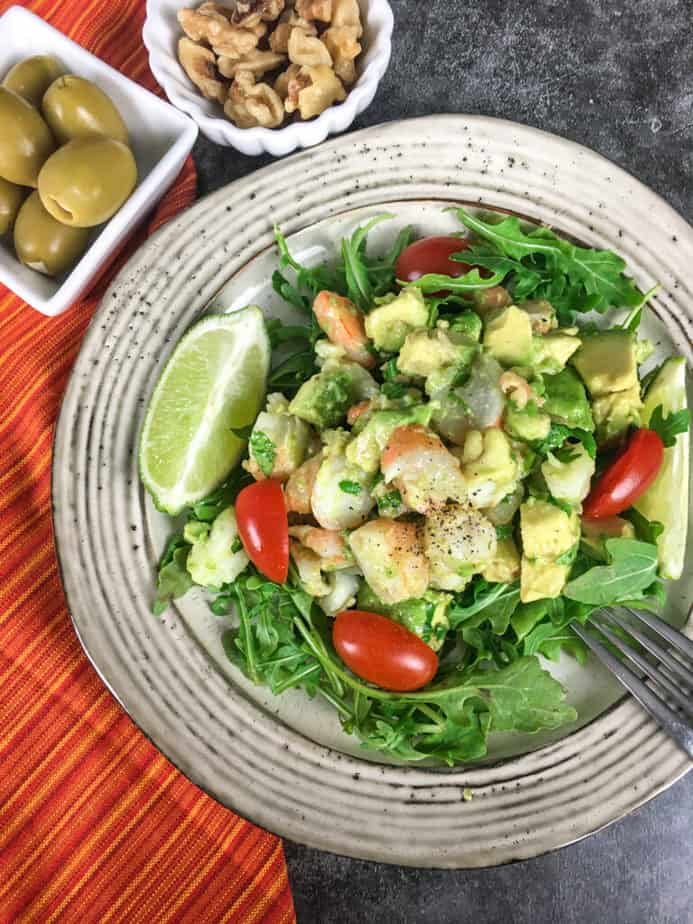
(258, 62)
(251, 104)
(200, 66)
(315, 9)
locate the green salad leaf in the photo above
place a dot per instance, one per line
(263, 451)
(538, 264)
(631, 570)
(670, 426)
(173, 579)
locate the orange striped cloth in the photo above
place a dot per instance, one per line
(95, 824)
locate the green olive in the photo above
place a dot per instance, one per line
(75, 108)
(44, 244)
(25, 140)
(11, 197)
(87, 180)
(31, 77)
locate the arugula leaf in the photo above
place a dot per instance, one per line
(632, 568)
(172, 579)
(284, 641)
(483, 597)
(647, 530)
(521, 697)
(263, 450)
(557, 436)
(670, 426)
(469, 282)
(539, 264)
(504, 531)
(350, 487)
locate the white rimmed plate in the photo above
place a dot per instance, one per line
(284, 763)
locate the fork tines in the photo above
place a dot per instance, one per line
(665, 660)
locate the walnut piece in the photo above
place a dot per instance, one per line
(281, 84)
(307, 50)
(258, 62)
(279, 39)
(344, 47)
(347, 13)
(248, 13)
(315, 9)
(210, 23)
(312, 90)
(199, 64)
(251, 104)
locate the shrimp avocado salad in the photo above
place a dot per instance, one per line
(457, 458)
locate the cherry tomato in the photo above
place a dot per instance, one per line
(628, 477)
(382, 651)
(431, 255)
(264, 528)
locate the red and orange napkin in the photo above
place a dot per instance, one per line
(95, 824)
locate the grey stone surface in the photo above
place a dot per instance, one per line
(618, 77)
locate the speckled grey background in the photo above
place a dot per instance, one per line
(618, 77)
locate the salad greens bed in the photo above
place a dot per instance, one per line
(490, 677)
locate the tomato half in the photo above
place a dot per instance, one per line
(382, 651)
(264, 528)
(431, 255)
(628, 477)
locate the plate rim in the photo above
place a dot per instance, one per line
(63, 423)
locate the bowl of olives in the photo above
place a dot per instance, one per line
(85, 154)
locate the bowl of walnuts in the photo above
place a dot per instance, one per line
(269, 75)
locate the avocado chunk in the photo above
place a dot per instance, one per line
(542, 579)
(504, 567)
(565, 400)
(508, 336)
(489, 466)
(426, 351)
(607, 362)
(548, 534)
(389, 324)
(615, 413)
(547, 530)
(467, 323)
(551, 352)
(324, 399)
(596, 532)
(425, 616)
(527, 423)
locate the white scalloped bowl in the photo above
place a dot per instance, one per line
(161, 33)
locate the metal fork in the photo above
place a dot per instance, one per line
(668, 696)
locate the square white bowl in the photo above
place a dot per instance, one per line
(161, 138)
(162, 31)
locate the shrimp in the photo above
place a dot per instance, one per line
(356, 410)
(343, 323)
(425, 472)
(329, 544)
(518, 390)
(457, 541)
(299, 487)
(390, 555)
(308, 565)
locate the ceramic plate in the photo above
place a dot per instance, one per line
(284, 762)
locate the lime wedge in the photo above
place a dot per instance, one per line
(666, 499)
(215, 380)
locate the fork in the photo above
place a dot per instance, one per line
(668, 696)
